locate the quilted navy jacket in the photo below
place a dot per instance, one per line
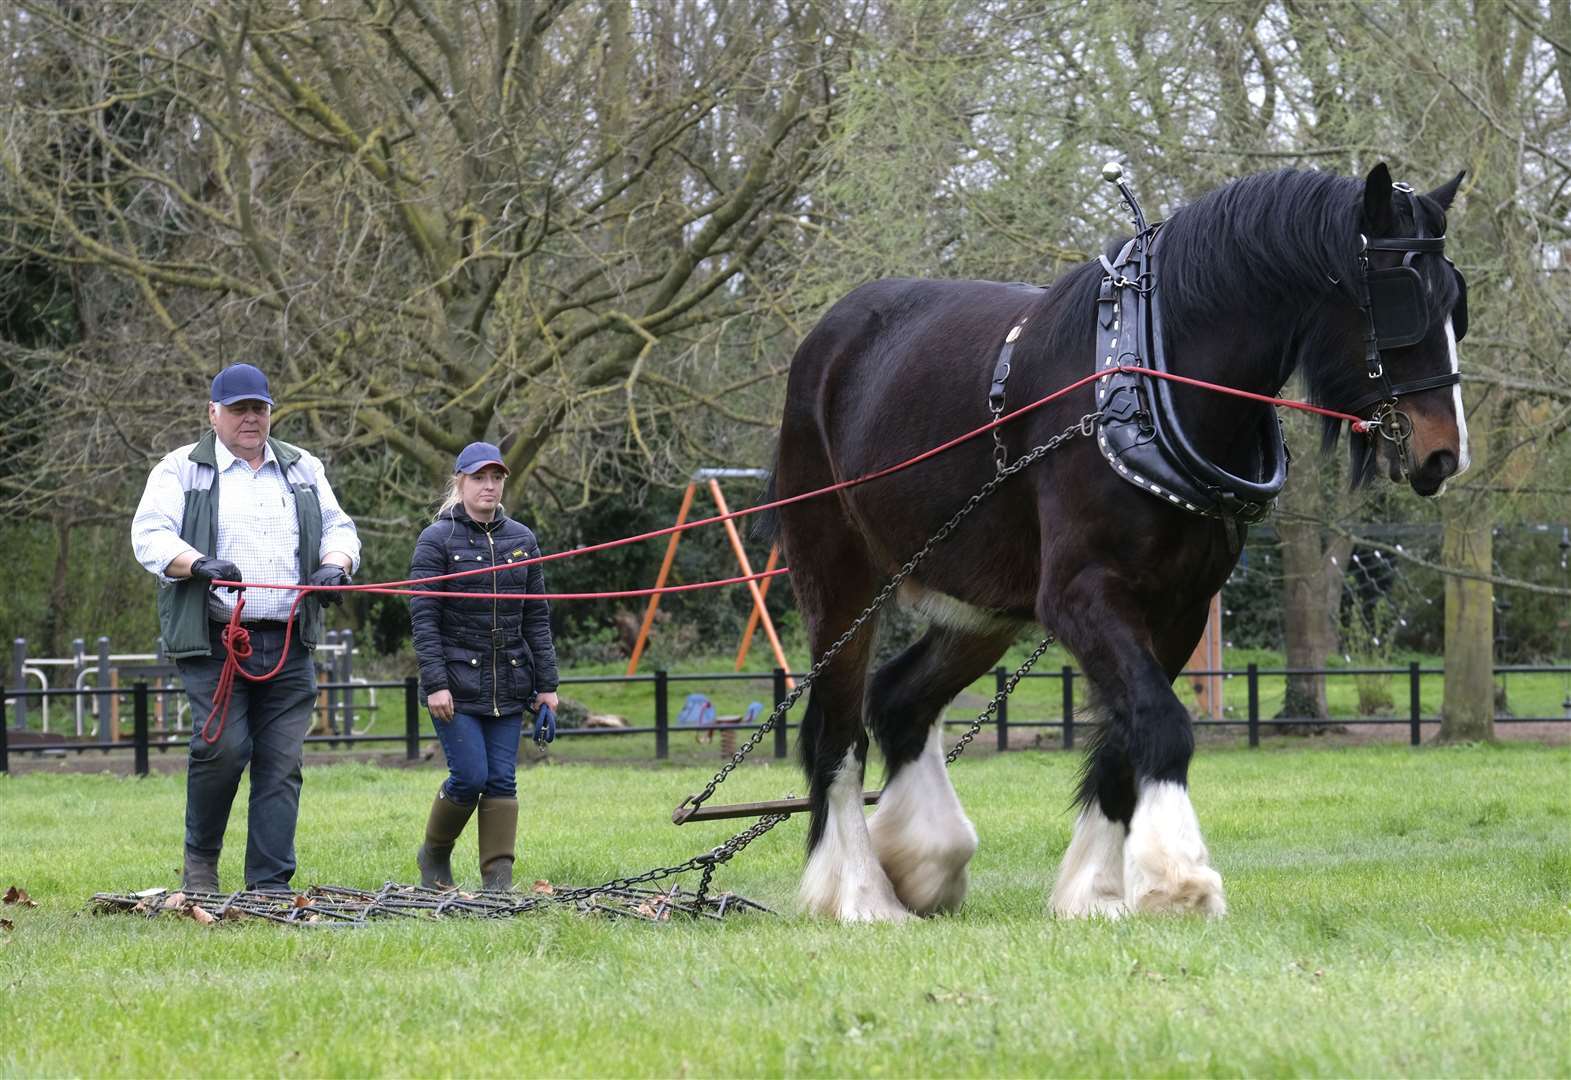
(493, 655)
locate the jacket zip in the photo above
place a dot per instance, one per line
(495, 709)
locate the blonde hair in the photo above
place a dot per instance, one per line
(450, 498)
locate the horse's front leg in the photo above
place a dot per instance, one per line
(1137, 844)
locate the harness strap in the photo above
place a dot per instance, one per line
(1433, 382)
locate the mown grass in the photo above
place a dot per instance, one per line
(1394, 912)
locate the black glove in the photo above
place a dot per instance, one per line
(211, 569)
(329, 574)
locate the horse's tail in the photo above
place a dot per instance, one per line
(766, 525)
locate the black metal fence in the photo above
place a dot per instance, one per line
(143, 740)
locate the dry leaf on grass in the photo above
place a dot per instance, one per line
(14, 895)
(545, 888)
(174, 900)
(7, 925)
(202, 915)
(301, 901)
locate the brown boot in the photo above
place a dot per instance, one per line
(200, 876)
(442, 829)
(498, 837)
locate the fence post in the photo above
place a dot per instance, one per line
(662, 715)
(161, 702)
(5, 744)
(105, 696)
(139, 728)
(19, 680)
(412, 718)
(1254, 706)
(782, 738)
(1414, 705)
(346, 669)
(1069, 707)
(1001, 681)
(78, 666)
(329, 695)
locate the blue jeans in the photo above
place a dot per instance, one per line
(482, 755)
(266, 729)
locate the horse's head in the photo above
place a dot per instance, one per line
(1412, 311)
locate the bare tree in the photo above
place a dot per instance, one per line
(432, 222)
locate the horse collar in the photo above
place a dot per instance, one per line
(1139, 433)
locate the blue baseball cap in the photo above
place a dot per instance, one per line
(476, 456)
(242, 382)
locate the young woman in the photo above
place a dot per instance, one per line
(483, 662)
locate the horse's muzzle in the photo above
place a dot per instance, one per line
(1430, 477)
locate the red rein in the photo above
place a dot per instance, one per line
(238, 642)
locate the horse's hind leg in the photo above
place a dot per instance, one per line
(922, 837)
(843, 879)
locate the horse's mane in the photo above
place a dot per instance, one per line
(1273, 243)
(1263, 243)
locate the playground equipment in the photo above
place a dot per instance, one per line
(760, 615)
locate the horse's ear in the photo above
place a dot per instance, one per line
(1445, 194)
(1378, 219)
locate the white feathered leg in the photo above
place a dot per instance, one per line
(921, 835)
(843, 879)
(1166, 865)
(1091, 877)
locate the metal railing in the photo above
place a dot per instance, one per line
(143, 694)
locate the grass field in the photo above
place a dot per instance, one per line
(1394, 912)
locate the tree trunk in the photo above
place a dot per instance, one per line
(59, 585)
(1467, 713)
(1311, 587)
(1305, 619)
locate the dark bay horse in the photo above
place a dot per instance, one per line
(1256, 280)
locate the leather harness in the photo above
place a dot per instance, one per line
(1139, 431)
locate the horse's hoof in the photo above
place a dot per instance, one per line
(875, 913)
(1191, 890)
(927, 877)
(931, 887)
(1090, 907)
(865, 897)
(852, 909)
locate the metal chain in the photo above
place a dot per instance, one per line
(998, 698)
(1085, 426)
(716, 856)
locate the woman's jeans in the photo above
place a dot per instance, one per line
(482, 755)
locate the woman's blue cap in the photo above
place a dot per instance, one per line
(476, 456)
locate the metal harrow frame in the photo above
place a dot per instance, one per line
(337, 906)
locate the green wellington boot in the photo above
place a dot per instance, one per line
(498, 837)
(442, 829)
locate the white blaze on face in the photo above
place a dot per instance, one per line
(1463, 458)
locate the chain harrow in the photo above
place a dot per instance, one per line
(335, 906)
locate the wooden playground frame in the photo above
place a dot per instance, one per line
(711, 478)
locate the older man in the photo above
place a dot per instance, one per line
(240, 506)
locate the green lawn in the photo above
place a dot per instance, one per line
(1394, 912)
